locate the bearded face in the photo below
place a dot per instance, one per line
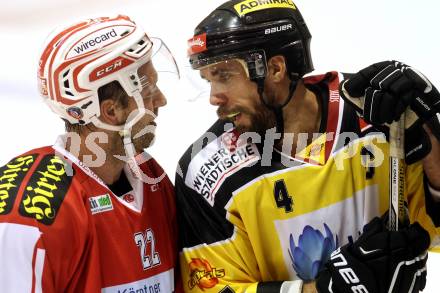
(237, 96)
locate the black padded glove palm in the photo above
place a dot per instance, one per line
(379, 261)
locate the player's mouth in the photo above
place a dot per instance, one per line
(234, 116)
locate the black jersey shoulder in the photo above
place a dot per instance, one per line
(11, 178)
(39, 180)
(48, 185)
(211, 170)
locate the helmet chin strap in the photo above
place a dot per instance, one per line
(131, 158)
(125, 130)
(278, 109)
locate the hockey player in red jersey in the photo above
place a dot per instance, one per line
(94, 212)
(281, 211)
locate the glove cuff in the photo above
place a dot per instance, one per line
(292, 286)
(417, 143)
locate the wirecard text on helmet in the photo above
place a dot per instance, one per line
(83, 46)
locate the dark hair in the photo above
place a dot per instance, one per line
(112, 90)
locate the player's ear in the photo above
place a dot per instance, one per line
(277, 81)
(111, 112)
(276, 69)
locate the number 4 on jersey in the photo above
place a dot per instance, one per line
(282, 197)
(149, 258)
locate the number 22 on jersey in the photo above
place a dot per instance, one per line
(150, 258)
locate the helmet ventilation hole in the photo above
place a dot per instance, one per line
(140, 48)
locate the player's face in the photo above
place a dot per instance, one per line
(143, 132)
(237, 97)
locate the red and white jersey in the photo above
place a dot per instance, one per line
(63, 230)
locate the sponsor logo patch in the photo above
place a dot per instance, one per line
(197, 44)
(203, 275)
(46, 189)
(154, 187)
(291, 230)
(128, 197)
(277, 29)
(161, 282)
(216, 162)
(99, 39)
(100, 204)
(249, 6)
(75, 112)
(11, 175)
(42, 86)
(230, 140)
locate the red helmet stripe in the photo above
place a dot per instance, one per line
(49, 48)
(54, 82)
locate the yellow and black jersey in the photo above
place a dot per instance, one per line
(251, 217)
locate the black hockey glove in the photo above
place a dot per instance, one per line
(379, 261)
(383, 91)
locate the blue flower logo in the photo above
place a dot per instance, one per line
(312, 252)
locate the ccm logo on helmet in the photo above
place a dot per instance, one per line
(346, 272)
(277, 29)
(109, 67)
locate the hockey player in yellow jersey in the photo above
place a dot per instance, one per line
(287, 191)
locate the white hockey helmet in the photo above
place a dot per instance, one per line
(80, 59)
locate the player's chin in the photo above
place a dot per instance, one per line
(144, 142)
(246, 124)
(243, 128)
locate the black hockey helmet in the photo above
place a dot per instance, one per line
(253, 30)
